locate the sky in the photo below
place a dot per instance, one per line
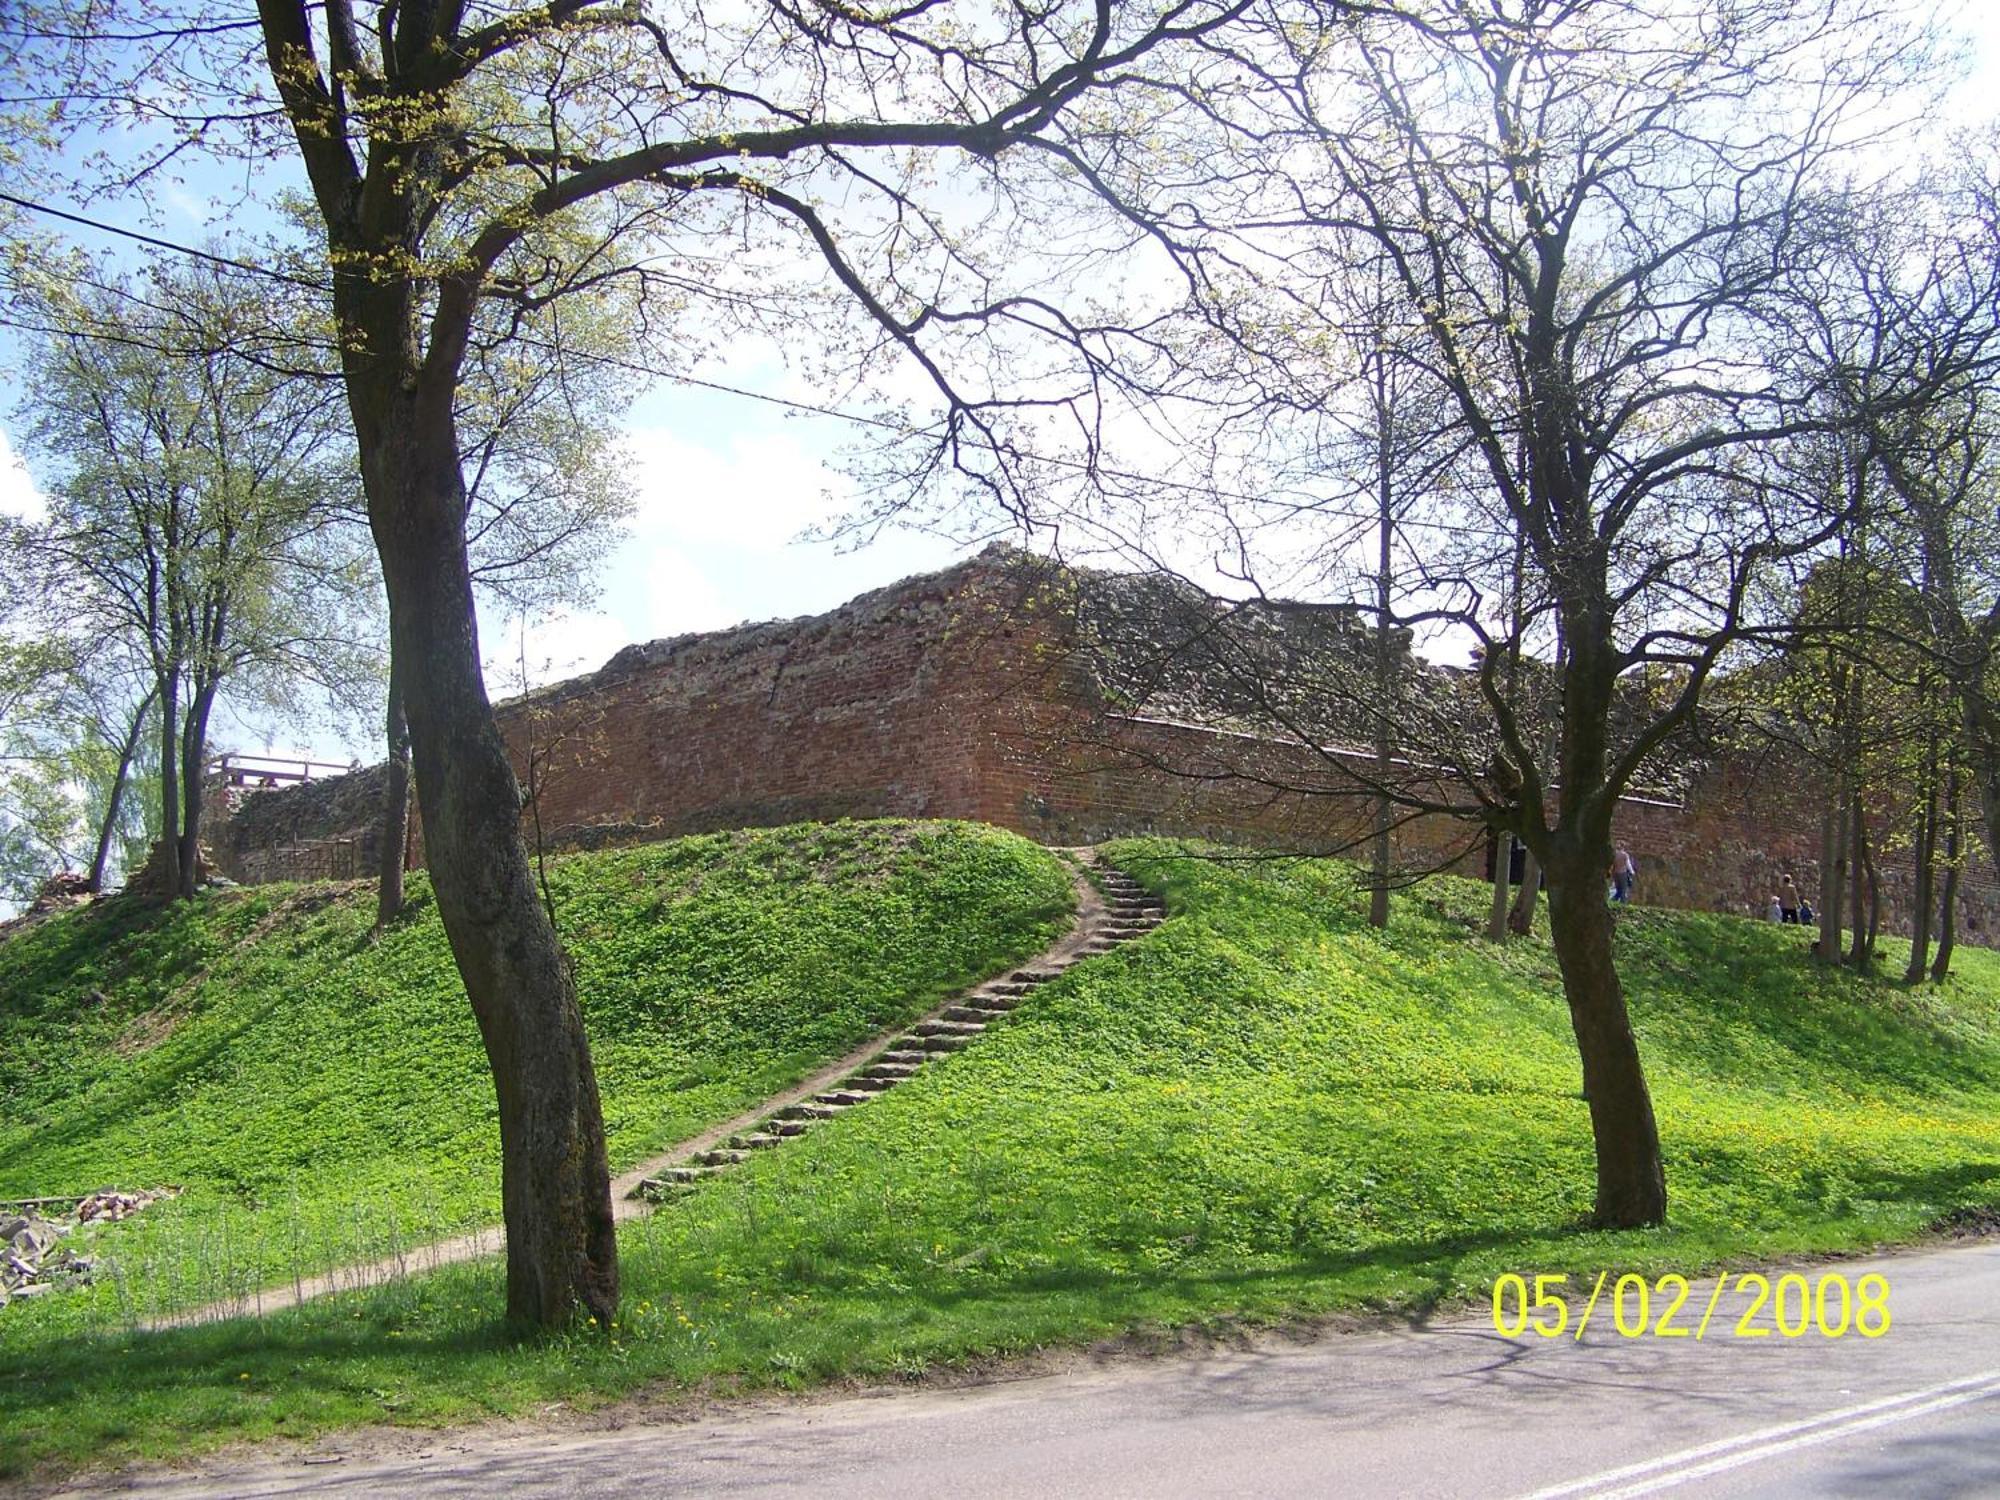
(726, 488)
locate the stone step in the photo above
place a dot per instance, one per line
(721, 1157)
(838, 1097)
(867, 1083)
(807, 1112)
(899, 1056)
(974, 1011)
(948, 1028)
(1036, 976)
(944, 1041)
(882, 1068)
(788, 1128)
(993, 1005)
(672, 1179)
(757, 1140)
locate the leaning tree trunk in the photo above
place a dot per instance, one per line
(1631, 1182)
(555, 1183)
(395, 823)
(107, 829)
(1947, 923)
(1947, 917)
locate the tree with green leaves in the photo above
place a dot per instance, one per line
(1613, 229)
(195, 530)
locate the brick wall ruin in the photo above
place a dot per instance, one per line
(960, 694)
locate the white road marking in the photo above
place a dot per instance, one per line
(1753, 1447)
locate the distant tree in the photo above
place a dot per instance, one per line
(195, 502)
(73, 715)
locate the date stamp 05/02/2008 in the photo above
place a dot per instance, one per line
(1665, 1307)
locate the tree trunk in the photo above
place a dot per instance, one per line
(555, 1183)
(194, 741)
(1832, 874)
(1984, 739)
(1521, 918)
(1631, 1183)
(170, 777)
(1947, 918)
(1503, 864)
(1857, 882)
(395, 825)
(1923, 883)
(107, 829)
(1385, 696)
(1873, 882)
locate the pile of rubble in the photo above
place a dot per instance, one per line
(61, 891)
(34, 1260)
(154, 880)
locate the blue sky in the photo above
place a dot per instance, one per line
(726, 486)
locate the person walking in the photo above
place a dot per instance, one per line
(1624, 870)
(1788, 900)
(1777, 912)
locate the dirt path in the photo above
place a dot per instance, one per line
(1085, 936)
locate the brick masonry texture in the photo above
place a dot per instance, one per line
(959, 694)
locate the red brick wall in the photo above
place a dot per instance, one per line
(951, 696)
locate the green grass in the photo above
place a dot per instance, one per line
(325, 1099)
(1261, 1111)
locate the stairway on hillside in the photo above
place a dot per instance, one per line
(1129, 911)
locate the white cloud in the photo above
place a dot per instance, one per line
(18, 495)
(755, 490)
(547, 647)
(676, 597)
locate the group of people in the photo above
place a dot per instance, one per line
(1787, 905)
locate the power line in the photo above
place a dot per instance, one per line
(160, 244)
(857, 418)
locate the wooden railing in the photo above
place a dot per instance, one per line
(269, 770)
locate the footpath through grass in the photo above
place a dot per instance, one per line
(325, 1099)
(1262, 1110)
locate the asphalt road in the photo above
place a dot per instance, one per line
(1454, 1409)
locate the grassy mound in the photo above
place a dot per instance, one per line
(323, 1098)
(1262, 1109)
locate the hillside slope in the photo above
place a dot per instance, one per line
(310, 1088)
(1263, 1109)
